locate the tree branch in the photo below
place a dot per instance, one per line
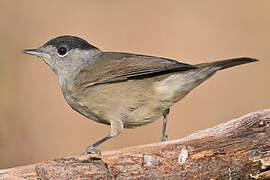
(238, 149)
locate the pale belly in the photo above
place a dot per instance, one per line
(133, 106)
(135, 102)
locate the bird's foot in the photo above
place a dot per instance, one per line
(164, 138)
(91, 150)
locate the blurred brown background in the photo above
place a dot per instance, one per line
(37, 124)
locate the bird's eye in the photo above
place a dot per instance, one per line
(62, 51)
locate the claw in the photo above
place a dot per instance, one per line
(164, 138)
(91, 150)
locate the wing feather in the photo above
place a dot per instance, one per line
(110, 67)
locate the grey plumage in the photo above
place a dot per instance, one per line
(122, 90)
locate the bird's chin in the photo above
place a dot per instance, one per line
(49, 61)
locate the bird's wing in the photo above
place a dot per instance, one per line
(110, 67)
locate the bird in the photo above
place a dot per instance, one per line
(119, 89)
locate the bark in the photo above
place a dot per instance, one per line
(238, 149)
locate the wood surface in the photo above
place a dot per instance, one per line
(237, 149)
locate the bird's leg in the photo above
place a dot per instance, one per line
(92, 148)
(116, 127)
(164, 136)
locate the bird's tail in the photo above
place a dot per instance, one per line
(224, 64)
(206, 70)
(180, 84)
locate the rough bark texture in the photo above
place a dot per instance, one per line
(238, 149)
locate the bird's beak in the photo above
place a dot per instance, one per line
(36, 52)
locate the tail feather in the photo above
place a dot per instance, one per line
(224, 64)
